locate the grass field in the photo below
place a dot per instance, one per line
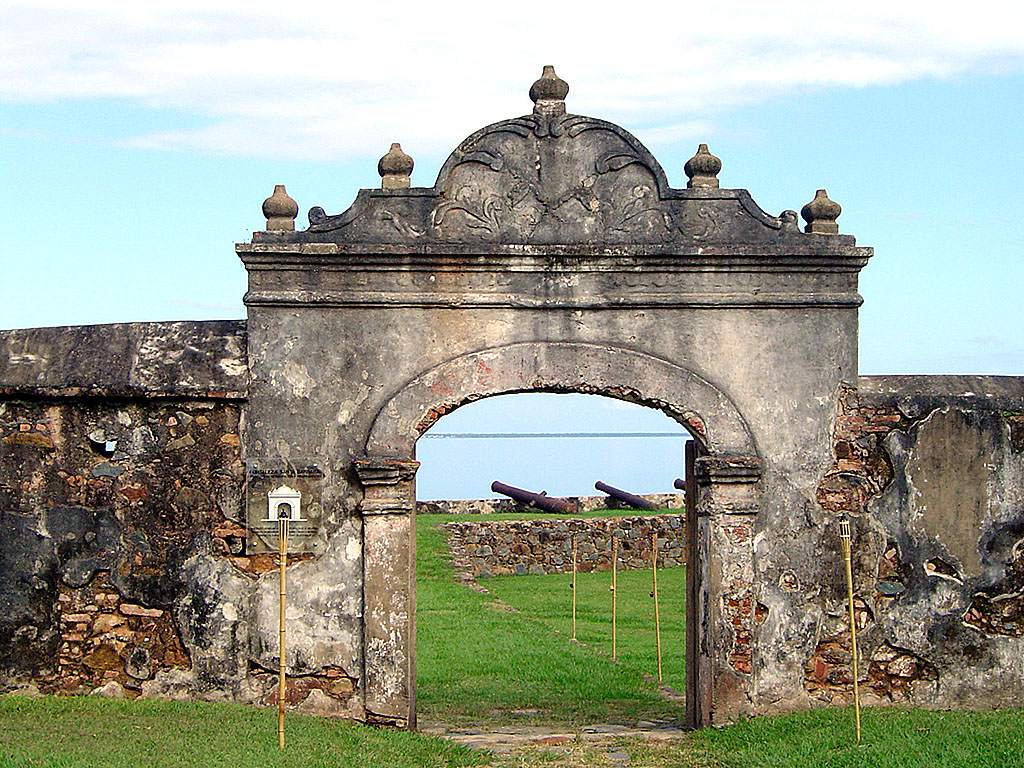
(84, 732)
(547, 599)
(88, 732)
(893, 738)
(506, 656)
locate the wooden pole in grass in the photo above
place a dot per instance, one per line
(574, 586)
(845, 540)
(654, 594)
(282, 549)
(615, 570)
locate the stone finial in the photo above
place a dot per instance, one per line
(548, 93)
(395, 169)
(280, 210)
(821, 214)
(702, 169)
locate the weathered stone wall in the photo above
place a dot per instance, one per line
(508, 506)
(519, 547)
(204, 359)
(103, 505)
(122, 561)
(931, 471)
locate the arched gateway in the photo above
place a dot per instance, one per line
(550, 255)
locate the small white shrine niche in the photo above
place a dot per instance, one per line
(276, 491)
(284, 503)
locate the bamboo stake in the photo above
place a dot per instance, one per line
(574, 587)
(654, 594)
(844, 538)
(615, 567)
(282, 546)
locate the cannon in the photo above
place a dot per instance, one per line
(539, 500)
(626, 498)
(679, 483)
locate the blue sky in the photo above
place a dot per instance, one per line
(139, 141)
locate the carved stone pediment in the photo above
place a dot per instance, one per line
(541, 179)
(551, 178)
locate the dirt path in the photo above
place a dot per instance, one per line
(601, 738)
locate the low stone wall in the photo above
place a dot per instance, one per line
(520, 547)
(500, 506)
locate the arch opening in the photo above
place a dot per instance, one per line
(559, 442)
(494, 617)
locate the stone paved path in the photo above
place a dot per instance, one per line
(515, 738)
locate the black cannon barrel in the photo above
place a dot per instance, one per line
(624, 496)
(536, 499)
(680, 484)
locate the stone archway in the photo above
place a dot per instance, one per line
(727, 472)
(551, 253)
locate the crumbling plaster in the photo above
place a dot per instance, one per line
(935, 486)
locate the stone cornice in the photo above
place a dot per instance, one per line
(552, 277)
(526, 301)
(824, 252)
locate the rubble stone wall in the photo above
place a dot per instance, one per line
(103, 503)
(931, 472)
(519, 547)
(508, 506)
(122, 551)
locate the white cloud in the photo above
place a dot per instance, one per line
(337, 79)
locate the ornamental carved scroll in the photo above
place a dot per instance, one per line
(540, 179)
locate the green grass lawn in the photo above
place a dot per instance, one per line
(81, 732)
(548, 599)
(822, 738)
(490, 657)
(90, 732)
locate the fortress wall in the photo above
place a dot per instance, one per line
(123, 561)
